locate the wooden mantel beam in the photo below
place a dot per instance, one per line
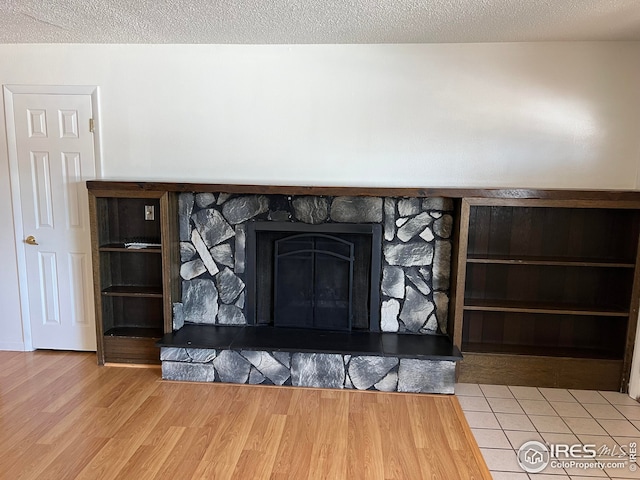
(505, 193)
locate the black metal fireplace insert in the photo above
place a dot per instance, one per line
(324, 277)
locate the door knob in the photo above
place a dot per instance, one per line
(31, 240)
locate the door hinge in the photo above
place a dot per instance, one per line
(91, 125)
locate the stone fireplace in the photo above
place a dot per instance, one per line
(311, 280)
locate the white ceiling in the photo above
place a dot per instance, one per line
(308, 21)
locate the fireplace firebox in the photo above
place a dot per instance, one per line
(324, 277)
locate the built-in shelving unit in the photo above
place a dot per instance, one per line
(546, 287)
(544, 283)
(133, 285)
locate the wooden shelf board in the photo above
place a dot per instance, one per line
(541, 371)
(537, 307)
(133, 291)
(145, 332)
(547, 261)
(119, 247)
(538, 351)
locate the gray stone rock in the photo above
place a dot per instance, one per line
(241, 242)
(414, 277)
(178, 316)
(443, 226)
(222, 254)
(232, 367)
(389, 315)
(389, 219)
(436, 214)
(347, 383)
(185, 207)
(241, 209)
(415, 310)
(187, 251)
(200, 301)
(188, 372)
(392, 282)
(283, 357)
(441, 300)
(230, 315)
(192, 269)
(437, 203)
(357, 210)
(313, 210)
(255, 377)
(426, 273)
(401, 221)
(240, 301)
(223, 197)
(427, 235)
(409, 254)
(212, 227)
(389, 383)
(229, 285)
(201, 355)
(431, 326)
(268, 366)
(203, 200)
(279, 216)
(321, 370)
(174, 354)
(365, 371)
(442, 265)
(408, 206)
(202, 250)
(414, 226)
(426, 376)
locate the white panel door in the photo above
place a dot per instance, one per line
(56, 156)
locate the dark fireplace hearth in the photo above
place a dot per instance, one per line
(323, 277)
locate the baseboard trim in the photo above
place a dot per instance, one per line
(14, 347)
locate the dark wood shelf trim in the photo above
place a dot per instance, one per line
(133, 291)
(104, 186)
(538, 351)
(547, 261)
(548, 308)
(134, 332)
(119, 247)
(541, 371)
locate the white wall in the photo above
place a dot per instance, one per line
(10, 312)
(519, 115)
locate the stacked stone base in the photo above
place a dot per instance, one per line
(298, 369)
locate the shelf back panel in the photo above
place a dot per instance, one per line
(544, 334)
(588, 233)
(123, 220)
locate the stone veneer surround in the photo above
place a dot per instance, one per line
(325, 370)
(414, 291)
(416, 253)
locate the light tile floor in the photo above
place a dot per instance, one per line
(503, 418)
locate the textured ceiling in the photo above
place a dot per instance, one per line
(307, 21)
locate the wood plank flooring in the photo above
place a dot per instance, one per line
(63, 417)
